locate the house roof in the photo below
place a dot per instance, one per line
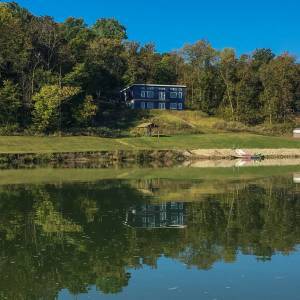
(150, 84)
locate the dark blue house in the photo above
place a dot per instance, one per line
(155, 96)
(164, 215)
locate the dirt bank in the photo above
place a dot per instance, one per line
(165, 156)
(229, 153)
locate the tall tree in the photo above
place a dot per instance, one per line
(280, 79)
(228, 72)
(10, 103)
(202, 75)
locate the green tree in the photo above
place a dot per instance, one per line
(10, 103)
(85, 113)
(76, 37)
(280, 79)
(228, 72)
(201, 76)
(248, 90)
(109, 29)
(48, 106)
(143, 64)
(106, 65)
(166, 69)
(262, 56)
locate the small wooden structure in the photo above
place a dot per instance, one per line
(148, 129)
(296, 133)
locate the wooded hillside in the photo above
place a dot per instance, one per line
(67, 76)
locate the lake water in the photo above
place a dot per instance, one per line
(151, 238)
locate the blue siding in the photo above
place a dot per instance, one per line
(137, 91)
(137, 104)
(155, 97)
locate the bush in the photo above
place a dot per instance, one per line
(231, 126)
(275, 129)
(263, 129)
(10, 130)
(95, 131)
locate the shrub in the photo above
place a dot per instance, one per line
(10, 130)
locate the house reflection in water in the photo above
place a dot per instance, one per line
(163, 215)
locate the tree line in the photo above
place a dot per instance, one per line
(56, 75)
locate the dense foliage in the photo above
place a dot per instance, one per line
(41, 59)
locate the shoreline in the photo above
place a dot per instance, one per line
(140, 156)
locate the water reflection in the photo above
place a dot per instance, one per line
(163, 215)
(73, 236)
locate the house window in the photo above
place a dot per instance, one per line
(150, 94)
(162, 105)
(150, 105)
(180, 95)
(163, 207)
(179, 106)
(143, 105)
(173, 95)
(163, 216)
(173, 105)
(181, 219)
(174, 205)
(143, 94)
(173, 89)
(162, 96)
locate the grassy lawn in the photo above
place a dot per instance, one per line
(215, 175)
(25, 144)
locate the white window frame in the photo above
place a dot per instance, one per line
(179, 106)
(163, 216)
(174, 205)
(180, 95)
(161, 95)
(150, 105)
(162, 105)
(143, 94)
(143, 105)
(150, 94)
(173, 106)
(173, 95)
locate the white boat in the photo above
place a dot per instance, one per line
(296, 178)
(239, 153)
(296, 133)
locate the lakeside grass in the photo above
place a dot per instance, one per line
(52, 144)
(57, 175)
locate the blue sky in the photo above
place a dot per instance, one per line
(243, 25)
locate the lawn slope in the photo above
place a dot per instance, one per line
(35, 144)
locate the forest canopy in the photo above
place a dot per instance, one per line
(68, 75)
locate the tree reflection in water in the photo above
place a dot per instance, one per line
(72, 236)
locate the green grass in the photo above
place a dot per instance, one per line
(53, 175)
(183, 123)
(35, 144)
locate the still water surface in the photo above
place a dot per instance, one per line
(151, 239)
